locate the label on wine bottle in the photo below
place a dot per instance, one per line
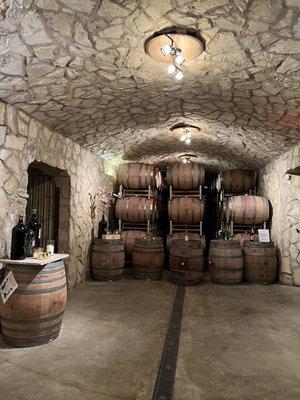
(8, 286)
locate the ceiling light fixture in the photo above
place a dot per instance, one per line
(186, 158)
(184, 132)
(175, 46)
(177, 58)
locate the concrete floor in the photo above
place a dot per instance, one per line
(238, 342)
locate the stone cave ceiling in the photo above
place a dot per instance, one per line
(79, 66)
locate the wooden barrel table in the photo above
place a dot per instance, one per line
(107, 259)
(129, 240)
(137, 175)
(260, 262)
(225, 261)
(186, 262)
(238, 180)
(136, 209)
(247, 210)
(148, 258)
(186, 210)
(186, 176)
(33, 314)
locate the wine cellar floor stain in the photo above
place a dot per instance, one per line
(236, 342)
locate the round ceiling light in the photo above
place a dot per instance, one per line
(185, 132)
(186, 158)
(187, 42)
(183, 129)
(174, 46)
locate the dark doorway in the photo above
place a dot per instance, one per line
(49, 193)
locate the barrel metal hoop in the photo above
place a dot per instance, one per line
(41, 291)
(33, 321)
(26, 282)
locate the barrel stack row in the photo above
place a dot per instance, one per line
(229, 262)
(239, 208)
(185, 242)
(108, 257)
(137, 207)
(254, 262)
(186, 204)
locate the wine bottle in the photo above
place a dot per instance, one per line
(18, 251)
(29, 242)
(102, 227)
(35, 226)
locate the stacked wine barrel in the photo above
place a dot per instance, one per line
(107, 259)
(241, 211)
(225, 261)
(148, 258)
(238, 205)
(186, 210)
(136, 207)
(255, 262)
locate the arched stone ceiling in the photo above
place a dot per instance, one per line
(79, 66)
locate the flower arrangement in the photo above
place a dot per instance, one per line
(100, 200)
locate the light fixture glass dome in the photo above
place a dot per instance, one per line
(179, 59)
(179, 75)
(171, 69)
(166, 49)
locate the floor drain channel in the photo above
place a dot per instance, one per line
(166, 375)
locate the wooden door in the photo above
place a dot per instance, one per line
(44, 196)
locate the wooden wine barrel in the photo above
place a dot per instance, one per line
(107, 259)
(247, 210)
(242, 237)
(129, 240)
(192, 236)
(186, 262)
(186, 210)
(148, 258)
(34, 313)
(225, 261)
(260, 262)
(136, 209)
(186, 176)
(238, 180)
(137, 175)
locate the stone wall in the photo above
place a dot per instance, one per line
(24, 140)
(283, 192)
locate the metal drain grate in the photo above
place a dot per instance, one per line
(166, 375)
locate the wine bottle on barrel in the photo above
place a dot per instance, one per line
(18, 251)
(34, 225)
(102, 227)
